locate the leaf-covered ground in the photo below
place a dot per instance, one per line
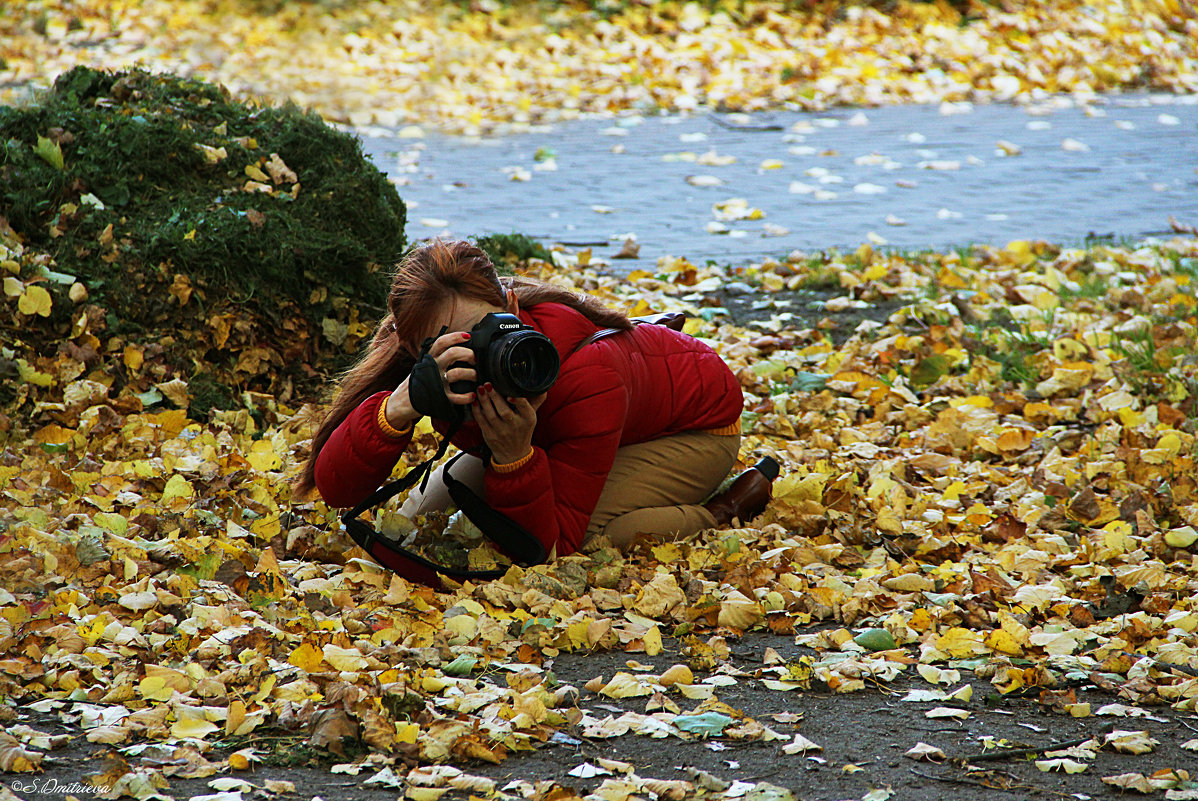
(486, 65)
(991, 491)
(999, 479)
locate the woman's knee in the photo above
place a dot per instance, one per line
(661, 524)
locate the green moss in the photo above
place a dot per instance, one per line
(132, 140)
(173, 204)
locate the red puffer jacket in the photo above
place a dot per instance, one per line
(637, 386)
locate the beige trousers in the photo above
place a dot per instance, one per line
(654, 488)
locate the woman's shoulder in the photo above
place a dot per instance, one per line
(554, 314)
(565, 326)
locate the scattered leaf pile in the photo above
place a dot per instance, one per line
(999, 478)
(478, 67)
(196, 235)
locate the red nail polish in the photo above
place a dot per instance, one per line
(465, 335)
(489, 387)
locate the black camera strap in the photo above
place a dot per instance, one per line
(672, 320)
(509, 536)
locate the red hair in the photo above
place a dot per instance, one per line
(427, 277)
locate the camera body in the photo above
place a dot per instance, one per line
(516, 359)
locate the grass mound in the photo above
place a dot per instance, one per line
(176, 211)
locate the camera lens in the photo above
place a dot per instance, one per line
(525, 364)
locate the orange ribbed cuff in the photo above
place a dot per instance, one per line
(388, 429)
(512, 467)
(726, 431)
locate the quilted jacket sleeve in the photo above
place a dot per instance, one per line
(554, 494)
(358, 458)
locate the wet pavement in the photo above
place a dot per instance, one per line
(903, 176)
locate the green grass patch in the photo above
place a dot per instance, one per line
(1151, 368)
(1138, 348)
(819, 275)
(508, 250)
(1089, 287)
(1015, 346)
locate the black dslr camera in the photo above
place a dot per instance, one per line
(518, 360)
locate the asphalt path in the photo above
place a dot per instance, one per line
(903, 176)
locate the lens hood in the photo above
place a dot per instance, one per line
(523, 363)
(518, 360)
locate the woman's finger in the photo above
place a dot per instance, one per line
(459, 398)
(486, 416)
(479, 415)
(486, 409)
(455, 361)
(451, 341)
(522, 408)
(496, 403)
(451, 356)
(454, 372)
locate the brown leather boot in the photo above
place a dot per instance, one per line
(747, 496)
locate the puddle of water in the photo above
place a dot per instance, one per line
(903, 176)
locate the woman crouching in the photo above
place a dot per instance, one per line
(638, 429)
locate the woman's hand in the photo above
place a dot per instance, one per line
(446, 350)
(507, 423)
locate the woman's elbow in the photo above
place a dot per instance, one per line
(336, 493)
